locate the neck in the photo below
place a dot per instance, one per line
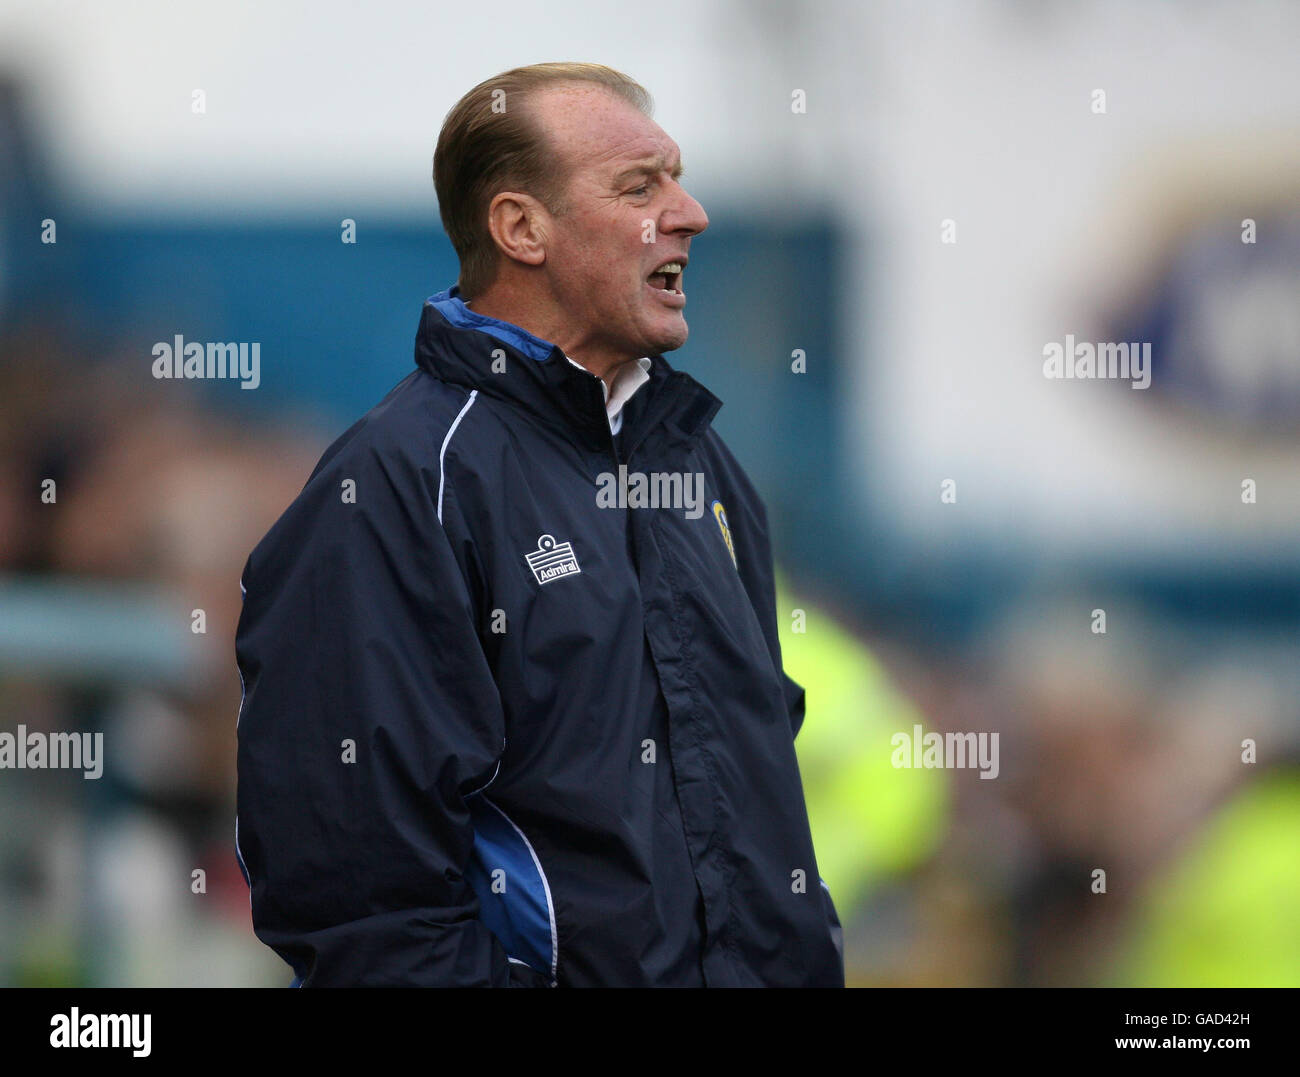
(541, 317)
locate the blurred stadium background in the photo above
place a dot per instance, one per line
(1120, 751)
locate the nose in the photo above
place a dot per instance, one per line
(686, 216)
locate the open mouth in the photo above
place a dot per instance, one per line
(668, 277)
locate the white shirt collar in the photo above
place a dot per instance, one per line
(630, 378)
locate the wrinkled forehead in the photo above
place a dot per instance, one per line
(593, 131)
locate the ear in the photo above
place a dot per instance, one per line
(518, 226)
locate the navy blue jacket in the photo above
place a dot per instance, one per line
(501, 729)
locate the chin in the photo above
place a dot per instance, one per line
(669, 341)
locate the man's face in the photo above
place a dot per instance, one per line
(626, 216)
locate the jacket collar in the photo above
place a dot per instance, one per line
(458, 345)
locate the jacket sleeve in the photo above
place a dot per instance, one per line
(369, 713)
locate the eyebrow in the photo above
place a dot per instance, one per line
(648, 167)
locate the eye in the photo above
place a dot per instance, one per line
(639, 190)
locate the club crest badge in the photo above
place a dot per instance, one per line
(720, 514)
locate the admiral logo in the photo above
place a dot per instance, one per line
(552, 560)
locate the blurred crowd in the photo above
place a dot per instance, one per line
(157, 500)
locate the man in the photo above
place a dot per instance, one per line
(513, 716)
